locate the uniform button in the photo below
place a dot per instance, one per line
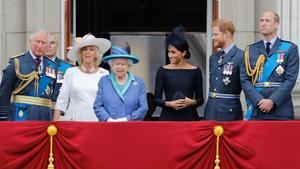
(215, 89)
(230, 110)
(217, 78)
(219, 68)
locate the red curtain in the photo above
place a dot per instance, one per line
(151, 145)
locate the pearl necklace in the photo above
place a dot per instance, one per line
(85, 70)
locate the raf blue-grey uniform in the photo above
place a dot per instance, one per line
(223, 103)
(25, 92)
(62, 68)
(282, 63)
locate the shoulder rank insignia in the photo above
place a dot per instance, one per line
(18, 55)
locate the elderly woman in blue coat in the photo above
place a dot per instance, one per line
(121, 95)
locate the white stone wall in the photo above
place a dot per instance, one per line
(1, 10)
(19, 18)
(290, 30)
(13, 27)
(242, 15)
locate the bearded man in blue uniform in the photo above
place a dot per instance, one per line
(269, 73)
(223, 103)
(62, 65)
(28, 82)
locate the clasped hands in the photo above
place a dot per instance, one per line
(180, 103)
(266, 105)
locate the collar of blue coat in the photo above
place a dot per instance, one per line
(272, 41)
(34, 57)
(226, 50)
(121, 90)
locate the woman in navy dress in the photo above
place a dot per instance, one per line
(180, 82)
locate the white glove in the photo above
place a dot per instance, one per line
(111, 120)
(123, 119)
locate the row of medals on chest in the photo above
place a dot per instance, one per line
(228, 68)
(227, 71)
(280, 59)
(50, 72)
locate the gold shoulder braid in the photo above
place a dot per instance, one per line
(18, 55)
(26, 79)
(258, 68)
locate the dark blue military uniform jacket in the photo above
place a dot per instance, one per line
(224, 79)
(285, 73)
(34, 98)
(62, 68)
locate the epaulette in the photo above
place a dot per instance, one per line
(256, 43)
(65, 62)
(18, 55)
(287, 41)
(49, 59)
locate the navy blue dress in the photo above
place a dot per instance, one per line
(176, 84)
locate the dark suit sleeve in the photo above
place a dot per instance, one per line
(199, 89)
(291, 75)
(210, 63)
(249, 90)
(7, 86)
(210, 69)
(159, 84)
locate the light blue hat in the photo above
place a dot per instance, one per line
(118, 52)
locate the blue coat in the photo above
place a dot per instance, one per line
(281, 96)
(224, 109)
(109, 104)
(10, 82)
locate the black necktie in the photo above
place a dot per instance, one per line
(221, 57)
(268, 44)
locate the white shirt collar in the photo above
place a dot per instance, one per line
(226, 50)
(53, 59)
(272, 41)
(34, 57)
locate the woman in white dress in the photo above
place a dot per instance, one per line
(80, 83)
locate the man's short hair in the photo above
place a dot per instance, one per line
(52, 37)
(224, 25)
(39, 30)
(276, 16)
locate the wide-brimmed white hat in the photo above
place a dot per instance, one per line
(89, 40)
